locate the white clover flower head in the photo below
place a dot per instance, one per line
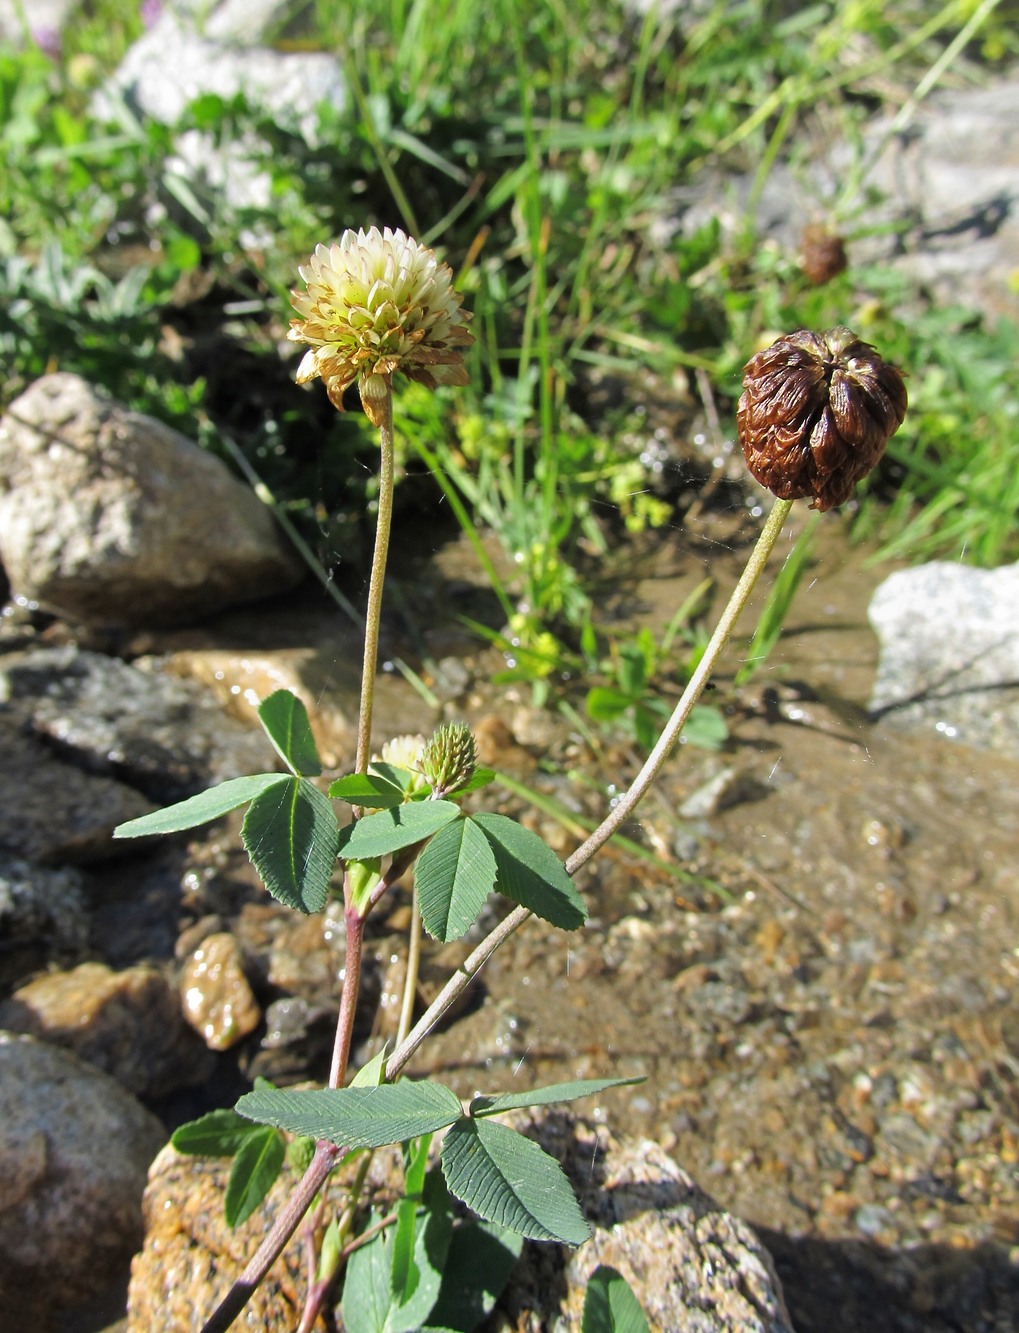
(376, 303)
(404, 751)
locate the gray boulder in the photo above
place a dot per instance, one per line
(43, 917)
(74, 1151)
(950, 652)
(164, 736)
(109, 517)
(52, 811)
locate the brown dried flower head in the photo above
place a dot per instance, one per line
(376, 303)
(816, 413)
(822, 254)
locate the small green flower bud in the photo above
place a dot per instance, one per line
(449, 758)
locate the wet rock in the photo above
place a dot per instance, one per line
(298, 1038)
(498, 748)
(691, 1264)
(215, 993)
(950, 652)
(112, 518)
(74, 1150)
(51, 811)
(327, 684)
(165, 736)
(731, 786)
(190, 1256)
(307, 952)
(43, 916)
(126, 1023)
(451, 679)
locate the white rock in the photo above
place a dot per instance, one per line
(950, 652)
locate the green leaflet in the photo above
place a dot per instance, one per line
(285, 721)
(367, 790)
(508, 1179)
(392, 830)
(256, 1165)
(357, 1117)
(530, 873)
(291, 835)
(217, 1134)
(554, 1092)
(200, 809)
(454, 875)
(610, 1305)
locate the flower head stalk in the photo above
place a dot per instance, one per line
(376, 303)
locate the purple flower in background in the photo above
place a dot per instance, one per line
(48, 41)
(149, 11)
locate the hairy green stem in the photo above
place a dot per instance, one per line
(624, 807)
(383, 416)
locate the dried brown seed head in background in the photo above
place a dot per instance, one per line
(822, 254)
(816, 413)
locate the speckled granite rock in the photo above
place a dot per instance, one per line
(694, 1267)
(191, 1256)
